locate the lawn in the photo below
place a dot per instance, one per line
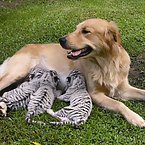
(44, 21)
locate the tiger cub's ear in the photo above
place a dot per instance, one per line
(68, 79)
(54, 75)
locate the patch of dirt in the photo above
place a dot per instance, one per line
(137, 71)
(16, 3)
(10, 4)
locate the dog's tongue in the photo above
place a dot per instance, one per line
(75, 53)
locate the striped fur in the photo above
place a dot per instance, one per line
(80, 102)
(39, 82)
(43, 98)
(19, 97)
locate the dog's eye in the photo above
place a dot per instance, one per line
(84, 31)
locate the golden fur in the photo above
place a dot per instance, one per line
(105, 68)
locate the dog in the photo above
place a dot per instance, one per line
(95, 49)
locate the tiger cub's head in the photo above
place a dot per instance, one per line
(37, 72)
(75, 79)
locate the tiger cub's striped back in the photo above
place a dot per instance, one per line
(43, 98)
(20, 96)
(80, 102)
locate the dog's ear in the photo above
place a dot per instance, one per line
(112, 34)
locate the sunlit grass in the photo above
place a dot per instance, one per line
(45, 22)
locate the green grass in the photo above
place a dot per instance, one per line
(45, 22)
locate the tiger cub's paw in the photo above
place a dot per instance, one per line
(3, 109)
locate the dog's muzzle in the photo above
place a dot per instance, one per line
(75, 53)
(63, 42)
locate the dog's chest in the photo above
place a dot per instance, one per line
(104, 80)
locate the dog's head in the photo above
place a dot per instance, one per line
(91, 37)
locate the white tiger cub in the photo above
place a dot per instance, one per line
(42, 99)
(20, 96)
(80, 102)
(39, 78)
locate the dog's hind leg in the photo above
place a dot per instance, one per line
(128, 92)
(15, 68)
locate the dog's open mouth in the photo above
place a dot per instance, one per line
(75, 54)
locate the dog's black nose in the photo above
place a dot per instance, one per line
(63, 42)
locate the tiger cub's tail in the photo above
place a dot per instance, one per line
(61, 123)
(39, 122)
(73, 123)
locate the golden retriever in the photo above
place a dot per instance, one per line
(95, 49)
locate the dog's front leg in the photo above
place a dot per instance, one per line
(104, 101)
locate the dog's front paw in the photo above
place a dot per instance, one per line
(3, 109)
(136, 120)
